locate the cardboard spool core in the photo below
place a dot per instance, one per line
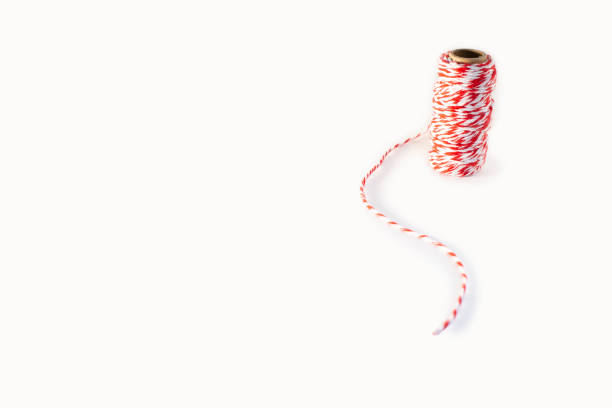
(467, 56)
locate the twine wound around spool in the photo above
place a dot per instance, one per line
(467, 56)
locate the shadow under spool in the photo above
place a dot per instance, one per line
(467, 56)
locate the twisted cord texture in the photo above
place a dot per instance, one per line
(462, 107)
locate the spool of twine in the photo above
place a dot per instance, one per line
(462, 106)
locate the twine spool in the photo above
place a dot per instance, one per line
(467, 56)
(462, 106)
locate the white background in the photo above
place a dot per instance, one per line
(180, 224)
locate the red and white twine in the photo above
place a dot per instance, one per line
(462, 106)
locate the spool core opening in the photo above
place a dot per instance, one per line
(468, 56)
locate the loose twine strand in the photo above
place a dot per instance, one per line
(462, 106)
